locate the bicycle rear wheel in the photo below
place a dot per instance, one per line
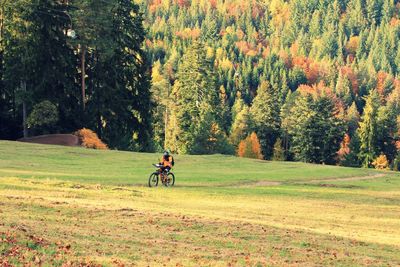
(153, 179)
(170, 179)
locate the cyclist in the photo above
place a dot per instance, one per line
(167, 161)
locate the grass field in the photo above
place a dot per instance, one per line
(72, 206)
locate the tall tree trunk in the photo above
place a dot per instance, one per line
(1, 24)
(165, 127)
(24, 122)
(97, 94)
(83, 70)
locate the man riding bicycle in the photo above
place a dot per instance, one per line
(167, 161)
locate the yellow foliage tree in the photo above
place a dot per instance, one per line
(381, 163)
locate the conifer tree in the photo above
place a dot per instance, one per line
(265, 112)
(368, 130)
(353, 118)
(373, 11)
(315, 130)
(160, 90)
(241, 127)
(387, 10)
(343, 89)
(196, 102)
(386, 131)
(121, 70)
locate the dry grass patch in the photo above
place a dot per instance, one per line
(137, 226)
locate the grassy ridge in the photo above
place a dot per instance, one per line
(92, 207)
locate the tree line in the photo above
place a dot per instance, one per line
(315, 81)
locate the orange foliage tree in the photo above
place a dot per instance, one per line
(381, 163)
(89, 139)
(310, 68)
(250, 147)
(344, 147)
(348, 71)
(380, 83)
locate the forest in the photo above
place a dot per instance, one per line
(314, 81)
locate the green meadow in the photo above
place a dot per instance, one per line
(62, 206)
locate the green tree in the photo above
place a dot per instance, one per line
(196, 102)
(279, 152)
(386, 131)
(43, 118)
(343, 89)
(388, 9)
(121, 71)
(316, 131)
(38, 64)
(92, 19)
(373, 11)
(296, 78)
(160, 89)
(352, 118)
(368, 130)
(356, 16)
(241, 126)
(265, 112)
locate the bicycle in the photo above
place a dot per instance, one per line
(167, 178)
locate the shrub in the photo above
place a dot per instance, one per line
(250, 148)
(43, 117)
(89, 139)
(381, 163)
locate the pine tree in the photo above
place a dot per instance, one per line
(296, 78)
(356, 16)
(387, 10)
(352, 118)
(386, 131)
(196, 101)
(160, 90)
(343, 89)
(122, 72)
(373, 11)
(265, 112)
(90, 19)
(224, 116)
(315, 130)
(241, 127)
(368, 130)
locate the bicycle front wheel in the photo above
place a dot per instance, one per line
(153, 179)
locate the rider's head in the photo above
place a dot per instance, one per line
(166, 153)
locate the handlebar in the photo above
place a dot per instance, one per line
(157, 165)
